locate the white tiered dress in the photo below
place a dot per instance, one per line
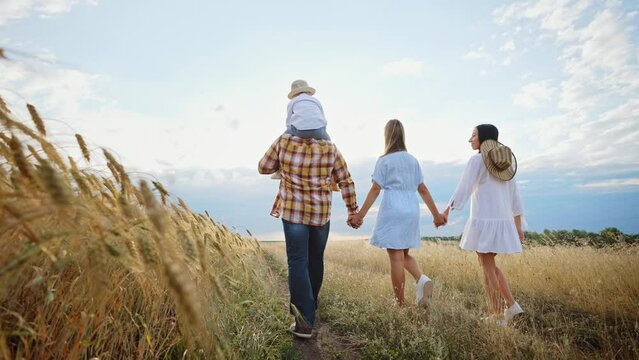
(491, 227)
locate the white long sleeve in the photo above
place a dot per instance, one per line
(517, 206)
(467, 184)
(490, 227)
(289, 113)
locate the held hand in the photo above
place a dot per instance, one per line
(439, 220)
(358, 221)
(354, 224)
(355, 221)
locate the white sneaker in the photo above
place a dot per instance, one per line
(424, 291)
(511, 312)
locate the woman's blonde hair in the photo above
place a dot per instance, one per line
(394, 137)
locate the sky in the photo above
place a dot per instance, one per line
(194, 92)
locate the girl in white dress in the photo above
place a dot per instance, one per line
(397, 228)
(494, 226)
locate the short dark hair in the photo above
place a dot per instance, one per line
(487, 132)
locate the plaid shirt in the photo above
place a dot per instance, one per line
(308, 168)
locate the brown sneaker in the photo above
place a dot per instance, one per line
(303, 332)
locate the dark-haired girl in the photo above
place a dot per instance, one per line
(494, 226)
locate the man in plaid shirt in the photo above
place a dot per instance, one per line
(308, 168)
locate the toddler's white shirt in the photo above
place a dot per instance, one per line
(305, 113)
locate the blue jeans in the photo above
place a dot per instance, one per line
(305, 246)
(318, 134)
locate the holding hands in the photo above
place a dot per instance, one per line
(355, 220)
(439, 220)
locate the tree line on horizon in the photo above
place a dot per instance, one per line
(608, 237)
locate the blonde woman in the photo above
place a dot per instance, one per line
(397, 228)
(494, 226)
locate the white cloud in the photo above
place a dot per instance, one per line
(534, 94)
(405, 66)
(57, 90)
(14, 9)
(557, 16)
(612, 185)
(526, 76)
(52, 7)
(508, 46)
(478, 54)
(18, 9)
(210, 178)
(504, 15)
(596, 122)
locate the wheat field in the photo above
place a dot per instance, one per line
(94, 266)
(580, 302)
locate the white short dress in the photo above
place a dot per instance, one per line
(397, 226)
(491, 227)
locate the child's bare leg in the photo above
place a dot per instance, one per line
(410, 264)
(397, 273)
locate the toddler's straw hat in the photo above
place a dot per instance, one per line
(300, 86)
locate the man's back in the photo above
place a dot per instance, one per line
(308, 167)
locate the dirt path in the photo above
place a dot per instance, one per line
(325, 344)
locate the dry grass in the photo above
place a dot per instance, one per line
(93, 266)
(580, 302)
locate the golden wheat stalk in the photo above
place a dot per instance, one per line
(18, 158)
(83, 147)
(52, 153)
(154, 211)
(184, 290)
(114, 171)
(37, 120)
(163, 193)
(3, 105)
(54, 183)
(79, 179)
(127, 210)
(9, 123)
(149, 254)
(34, 153)
(5, 151)
(4, 137)
(109, 185)
(119, 169)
